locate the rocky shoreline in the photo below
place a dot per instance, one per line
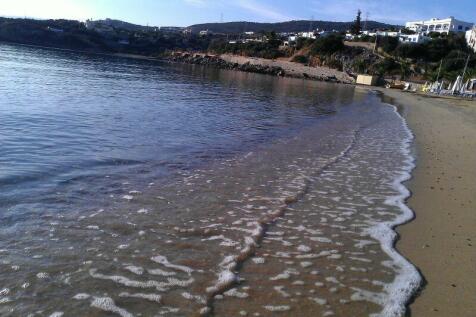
(218, 61)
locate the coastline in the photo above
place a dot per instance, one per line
(440, 240)
(278, 67)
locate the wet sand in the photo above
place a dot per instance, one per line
(441, 241)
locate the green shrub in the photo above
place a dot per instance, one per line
(303, 42)
(359, 66)
(268, 50)
(333, 62)
(387, 66)
(328, 45)
(301, 59)
(388, 44)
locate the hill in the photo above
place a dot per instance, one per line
(118, 24)
(291, 26)
(65, 34)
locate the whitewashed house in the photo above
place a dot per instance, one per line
(471, 38)
(326, 33)
(349, 37)
(388, 33)
(439, 25)
(170, 29)
(307, 35)
(292, 38)
(418, 38)
(369, 33)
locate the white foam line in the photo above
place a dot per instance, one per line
(227, 277)
(165, 262)
(408, 279)
(160, 286)
(150, 297)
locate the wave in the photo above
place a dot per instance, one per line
(408, 280)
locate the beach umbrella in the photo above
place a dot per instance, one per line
(457, 85)
(464, 87)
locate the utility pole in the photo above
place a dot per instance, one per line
(466, 67)
(438, 77)
(464, 72)
(439, 71)
(367, 15)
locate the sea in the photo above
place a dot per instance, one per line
(142, 188)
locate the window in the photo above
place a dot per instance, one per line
(431, 28)
(460, 27)
(438, 27)
(446, 27)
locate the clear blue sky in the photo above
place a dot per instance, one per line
(187, 12)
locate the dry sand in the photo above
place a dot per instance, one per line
(441, 241)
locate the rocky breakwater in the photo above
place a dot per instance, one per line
(256, 65)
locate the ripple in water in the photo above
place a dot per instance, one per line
(241, 199)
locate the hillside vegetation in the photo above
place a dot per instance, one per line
(289, 27)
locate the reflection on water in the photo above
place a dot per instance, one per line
(67, 117)
(135, 188)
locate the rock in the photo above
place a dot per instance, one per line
(216, 61)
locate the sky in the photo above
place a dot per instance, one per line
(188, 12)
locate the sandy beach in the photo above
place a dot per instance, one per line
(441, 240)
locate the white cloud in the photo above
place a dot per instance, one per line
(263, 11)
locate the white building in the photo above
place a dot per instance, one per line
(326, 33)
(388, 33)
(418, 38)
(349, 37)
(205, 33)
(439, 25)
(307, 35)
(171, 29)
(369, 33)
(471, 38)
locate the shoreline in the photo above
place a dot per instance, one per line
(439, 240)
(280, 68)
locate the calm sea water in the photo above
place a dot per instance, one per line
(138, 188)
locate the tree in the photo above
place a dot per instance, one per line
(357, 26)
